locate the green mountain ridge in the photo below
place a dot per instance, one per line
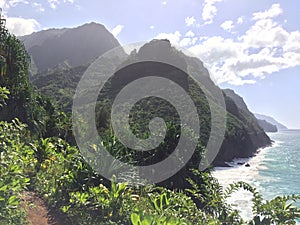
(69, 47)
(61, 84)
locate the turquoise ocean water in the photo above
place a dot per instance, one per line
(274, 171)
(281, 174)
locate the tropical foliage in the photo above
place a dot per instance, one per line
(35, 156)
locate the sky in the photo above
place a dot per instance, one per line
(250, 46)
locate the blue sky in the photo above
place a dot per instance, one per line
(251, 46)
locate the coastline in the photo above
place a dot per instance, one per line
(238, 171)
(273, 171)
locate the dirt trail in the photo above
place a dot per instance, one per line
(37, 211)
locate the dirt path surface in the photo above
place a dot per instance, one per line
(38, 213)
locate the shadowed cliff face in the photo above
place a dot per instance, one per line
(266, 126)
(152, 57)
(248, 138)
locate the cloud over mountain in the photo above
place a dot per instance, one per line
(263, 48)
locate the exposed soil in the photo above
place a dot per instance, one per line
(38, 213)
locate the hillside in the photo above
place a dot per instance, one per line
(243, 136)
(24, 103)
(271, 120)
(268, 127)
(69, 47)
(264, 123)
(60, 84)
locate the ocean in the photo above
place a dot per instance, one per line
(273, 171)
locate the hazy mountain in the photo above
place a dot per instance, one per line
(272, 121)
(268, 127)
(69, 47)
(38, 38)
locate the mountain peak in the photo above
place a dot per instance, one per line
(72, 46)
(239, 101)
(91, 25)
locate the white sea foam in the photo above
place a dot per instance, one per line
(241, 200)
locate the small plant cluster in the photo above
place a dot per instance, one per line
(14, 160)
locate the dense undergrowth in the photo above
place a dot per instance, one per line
(35, 156)
(57, 172)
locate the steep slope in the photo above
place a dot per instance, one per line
(23, 102)
(268, 127)
(238, 100)
(38, 38)
(271, 120)
(263, 123)
(68, 48)
(60, 84)
(244, 135)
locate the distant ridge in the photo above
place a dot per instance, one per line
(68, 47)
(268, 127)
(271, 120)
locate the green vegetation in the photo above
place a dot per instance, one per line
(24, 103)
(57, 172)
(35, 156)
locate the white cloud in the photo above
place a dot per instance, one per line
(240, 20)
(186, 42)
(152, 27)
(54, 3)
(265, 33)
(14, 3)
(4, 6)
(174, 38)
(209, 10)
(117, 30)
(190, 21)
(274, 11)
(233, 62)
(39, 7)
(227, 25)
(2, 2)
(293, 43)
(216, 49)
(164, 3)
(190, 34)
(229, 62)
(177, 40)
(266, 47)
(21, 26)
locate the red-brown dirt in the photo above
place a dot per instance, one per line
(38, 213)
